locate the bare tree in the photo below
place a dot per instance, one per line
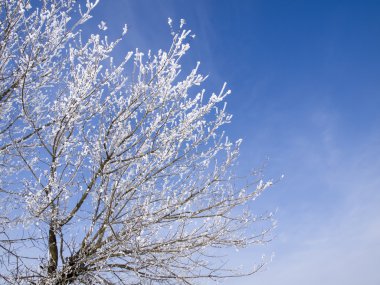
(111, 173)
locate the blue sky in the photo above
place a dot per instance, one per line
(305, 77)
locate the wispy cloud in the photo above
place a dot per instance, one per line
(338, 242)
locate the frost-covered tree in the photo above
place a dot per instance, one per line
(111, 172)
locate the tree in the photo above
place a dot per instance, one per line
(110, 173)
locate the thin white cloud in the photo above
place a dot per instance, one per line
(342, 247)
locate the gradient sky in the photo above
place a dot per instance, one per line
(305, 77)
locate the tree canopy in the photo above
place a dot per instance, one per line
(111, 172)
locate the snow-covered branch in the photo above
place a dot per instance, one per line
(111, 172)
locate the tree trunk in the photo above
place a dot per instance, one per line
(53, 251)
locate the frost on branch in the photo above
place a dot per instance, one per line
(111, 172)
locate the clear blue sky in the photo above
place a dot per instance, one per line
(305, 77)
